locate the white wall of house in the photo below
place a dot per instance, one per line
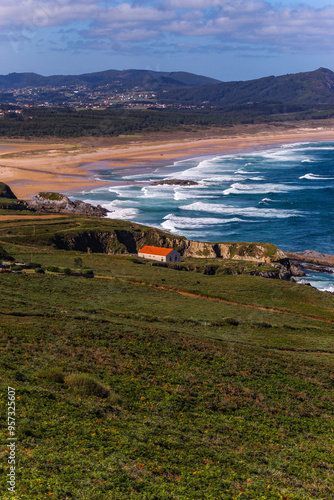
(173, 256)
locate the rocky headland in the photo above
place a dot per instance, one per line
(272, 262)
(59, 203)
(312, 260)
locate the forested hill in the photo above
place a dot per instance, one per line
(127, 79)
(316, 87)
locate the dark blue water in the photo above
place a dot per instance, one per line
(284, 195)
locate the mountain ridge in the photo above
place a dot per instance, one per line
(129, 78)
(313, 87)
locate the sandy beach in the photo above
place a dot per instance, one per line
(29, 168)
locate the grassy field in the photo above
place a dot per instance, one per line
(152, 383)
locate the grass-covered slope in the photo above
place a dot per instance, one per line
(6, 192)
(121, 237)
(4, 255)
(310, 88)
(147, 382)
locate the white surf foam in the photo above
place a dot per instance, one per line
(242, 171)
(160, 192)
(188, 193)
(173, 221)
(121, 213)
(315, 177)
(239, 188)
(218, 179)
(266, 201)
(243, 211)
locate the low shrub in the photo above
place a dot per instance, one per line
(67, 271)
(39, 270)
(53, 269)
(78, 262)
(231, 321)
(53, 374)
(138, 261)
(87, 385)
(87, 271)
(16, 268)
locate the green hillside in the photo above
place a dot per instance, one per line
(149, 382)
(315, 87)
(128, 79)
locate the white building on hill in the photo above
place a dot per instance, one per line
(160, 254)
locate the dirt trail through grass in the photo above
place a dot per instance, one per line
(216, 299)
(23, 217)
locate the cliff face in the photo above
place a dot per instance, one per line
(123, 241)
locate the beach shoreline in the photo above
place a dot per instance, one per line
(29, 168)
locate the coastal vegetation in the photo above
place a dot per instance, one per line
(66, 122)
(150, 382)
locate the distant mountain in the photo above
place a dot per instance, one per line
(177, 88)
(127, 79)
(316, 87)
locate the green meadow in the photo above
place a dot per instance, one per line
(160, 383)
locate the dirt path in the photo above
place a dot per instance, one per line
(216, 299)
(37, 217)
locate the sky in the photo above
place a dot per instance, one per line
(224, 39)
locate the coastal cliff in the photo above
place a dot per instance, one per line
(114, 237)
(130, 240)
(270, 262)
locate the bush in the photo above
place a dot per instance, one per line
(87, 271)
(39, 270)
(78, 262)
(136, 260)
(53, 374)
(231, 321)
(16, 268)
(67, 271)
(35, 265)
(53, 269)
(87, 385)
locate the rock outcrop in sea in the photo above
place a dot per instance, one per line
(312, 257)
(59, 203)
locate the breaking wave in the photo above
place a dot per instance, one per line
(244, 211)
(315, 177)
(239, 188)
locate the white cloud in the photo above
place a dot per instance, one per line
(226, 21)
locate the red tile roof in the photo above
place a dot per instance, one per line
(156, 250)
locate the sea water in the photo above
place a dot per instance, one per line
(282, 195)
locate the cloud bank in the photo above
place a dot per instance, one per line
(157, 25)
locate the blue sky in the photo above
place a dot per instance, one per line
(224, 39)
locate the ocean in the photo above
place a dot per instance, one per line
(282, 195)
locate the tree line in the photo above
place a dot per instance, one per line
(65, 122)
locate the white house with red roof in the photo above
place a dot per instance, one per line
(160, 254)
